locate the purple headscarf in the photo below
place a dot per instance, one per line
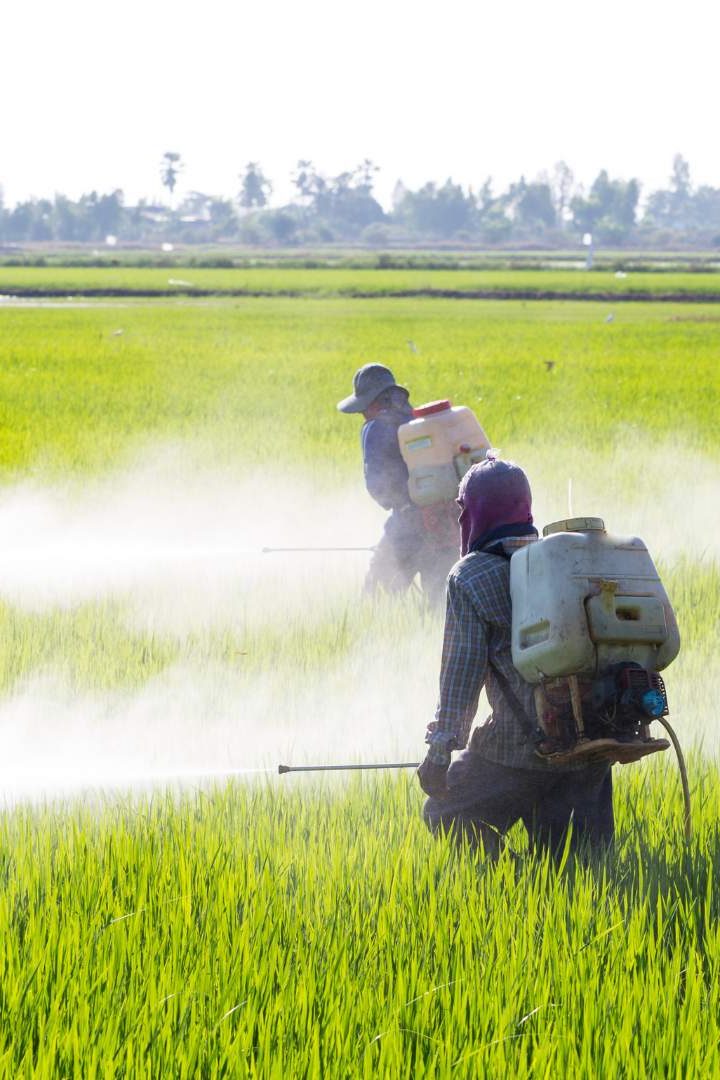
(492, 494)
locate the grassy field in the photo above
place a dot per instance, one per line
(273, 928)
(81, 386)
(274, 933)
(278, 280)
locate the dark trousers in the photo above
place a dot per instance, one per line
(405, 549)
(486, 800)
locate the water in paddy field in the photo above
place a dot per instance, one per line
(269, 657)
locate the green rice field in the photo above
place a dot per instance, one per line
(154, 922)
(81, 385)
(274, 280)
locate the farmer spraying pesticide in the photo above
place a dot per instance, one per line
(413, 460)
(569, 666)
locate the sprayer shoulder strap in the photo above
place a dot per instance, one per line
(513, 701)
(516, 707)
(508, 693)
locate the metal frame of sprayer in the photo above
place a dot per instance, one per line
(607, 717)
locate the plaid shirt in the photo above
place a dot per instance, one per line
(477, 640)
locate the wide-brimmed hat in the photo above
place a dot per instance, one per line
(368, 383)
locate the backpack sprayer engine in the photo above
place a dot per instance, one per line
(603, 718)
(592, 627)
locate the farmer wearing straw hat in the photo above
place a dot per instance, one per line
(406, 546)
(498, 778)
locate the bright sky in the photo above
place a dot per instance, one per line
(93, 93)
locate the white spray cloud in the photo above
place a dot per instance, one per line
(666, 493)
(178, 539)
(181, 547)
(191, 722)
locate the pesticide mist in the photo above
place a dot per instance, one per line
(266, 657)
(261, 666)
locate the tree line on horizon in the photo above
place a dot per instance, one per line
(551, 210)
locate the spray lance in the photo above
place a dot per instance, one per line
(274, 550)
(347, 768)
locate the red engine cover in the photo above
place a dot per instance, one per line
(432, 407)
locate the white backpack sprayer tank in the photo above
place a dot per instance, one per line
(438, 446)
(592, 627)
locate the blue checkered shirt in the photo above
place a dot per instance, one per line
(477, 643)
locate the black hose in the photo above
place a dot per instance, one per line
(683, 775)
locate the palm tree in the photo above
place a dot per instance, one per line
(170, 168)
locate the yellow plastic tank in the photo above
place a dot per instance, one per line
(583, 599)
(438, 446)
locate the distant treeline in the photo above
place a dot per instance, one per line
(549, 211)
